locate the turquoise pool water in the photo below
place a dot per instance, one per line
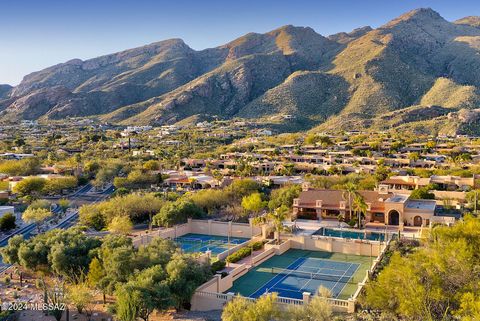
(359, 235)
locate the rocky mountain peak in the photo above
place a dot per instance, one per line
(417, 16)
(339, 81)
(346, 37)
(473, 21)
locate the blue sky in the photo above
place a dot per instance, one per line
(35, 34)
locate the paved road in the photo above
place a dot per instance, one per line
(81, 196)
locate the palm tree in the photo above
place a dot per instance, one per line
(349, 192)
(360, 207)
(276, 219)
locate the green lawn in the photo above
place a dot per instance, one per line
(261, 274)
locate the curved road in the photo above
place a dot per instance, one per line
(82, 195)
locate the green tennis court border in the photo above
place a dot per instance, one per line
(261, 274)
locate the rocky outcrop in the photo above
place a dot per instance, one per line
(347, 79)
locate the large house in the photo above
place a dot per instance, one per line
(383, 207)
(447, 182)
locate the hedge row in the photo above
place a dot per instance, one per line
(244, 252)
(217, 266)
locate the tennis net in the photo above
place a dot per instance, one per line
(313, 275)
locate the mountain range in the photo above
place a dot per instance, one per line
(418, 72)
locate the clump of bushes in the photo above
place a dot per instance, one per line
(217, 266)
(240, 254)
(257, 245)
(244, 252)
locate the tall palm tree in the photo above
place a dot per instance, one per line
(276, 219)
(349, 192)
(360, 207)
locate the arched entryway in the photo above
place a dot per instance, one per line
(393, 218)
(417, 221)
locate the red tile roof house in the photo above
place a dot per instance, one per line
(383, 208)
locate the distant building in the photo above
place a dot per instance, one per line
(446, 182)
(15, 156)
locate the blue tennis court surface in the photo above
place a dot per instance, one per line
(307, 275)
(194, 243)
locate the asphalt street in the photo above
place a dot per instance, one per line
(84, 195)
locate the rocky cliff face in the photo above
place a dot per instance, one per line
(418, 59)
(5, 91)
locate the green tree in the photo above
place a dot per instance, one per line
(40, 204)
(242, 187)
(151, 165)
(118, 262)
(133, 302)
(61, 252)
(264, 308)
(82, 297)
(276, 218)
(430, 145)
(284, 196)
(60, 184)
(136, 180)
(382, 172)
(253, 203)
(23, 167)
(185, 274)
(120, 225)
(210, 200)
(158, 252)
(95, 272)
(432, 282)
(91, 215)
(36, 215)
(318, 309)
(422, 193)
(349, 193)
(64, 204)
(151, 291)
(7, 222)
(177, 212)
(360, 208)
(235, 309)
(30, 186)
(413, 156)
(10, 252)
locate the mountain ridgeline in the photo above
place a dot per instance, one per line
(417, 72)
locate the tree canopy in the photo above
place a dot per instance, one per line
(435, 281)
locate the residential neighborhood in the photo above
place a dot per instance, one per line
(240, 161)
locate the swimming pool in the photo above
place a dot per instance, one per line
(349, 234)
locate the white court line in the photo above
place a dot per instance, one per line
(358, 266)
(342, 282)
(286, 275)
(317, 272)
(275, 277)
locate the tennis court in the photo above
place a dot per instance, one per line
(298, 271)
(201, 243)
